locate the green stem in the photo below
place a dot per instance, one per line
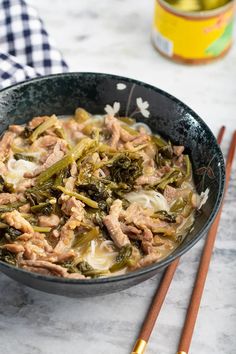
(42, 229)
(48, 123)
(81, 197)
(72, 156)
(87, 237)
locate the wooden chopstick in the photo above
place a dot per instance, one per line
(159, 297)
(198, 288)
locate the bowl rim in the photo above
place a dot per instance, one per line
(169, 259)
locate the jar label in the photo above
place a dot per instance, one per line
(192, 37)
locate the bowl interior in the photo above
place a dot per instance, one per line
(62, 93)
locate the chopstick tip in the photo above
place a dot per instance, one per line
(221, 134)
(140, 347)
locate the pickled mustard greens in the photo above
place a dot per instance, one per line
(197, 5)
(92, 196)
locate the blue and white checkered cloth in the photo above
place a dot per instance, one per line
(26, 50)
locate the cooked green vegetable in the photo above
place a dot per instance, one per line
(73, 155)
(40, 129)
(60, 132)
(188, 167)
(126, 169)
(8, 234)
(17, 149)
(95, 190)
(104, 148)
(55, 168)
(83, 147)
(164, 231)
(188, 207)
(164, 156)
(122, 259)
(5, 186)
(9, 187)
(1, 184)
(173, 176)
(11, 234)
(27, 132)
(178, 205)
(86, 269)
(166, 151)
(187, 210)
(81, 115)
(43, 229)
(60, 177)
(107, 162)
(94, 273)
(11, 206)
(42, 208)
(41, 193)
(130, 130)
(127, 120)
(165, 216)
(161, 161)
(3, 225)
(160, 142)
(24, 157)
(81, 197)
(85, 238)
(71, 267)
(7, 256)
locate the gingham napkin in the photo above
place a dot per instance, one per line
(26, 50)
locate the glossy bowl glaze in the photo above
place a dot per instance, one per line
(165, 114)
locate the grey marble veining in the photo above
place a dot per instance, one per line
(114, 36)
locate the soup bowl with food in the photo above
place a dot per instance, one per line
(104, 181)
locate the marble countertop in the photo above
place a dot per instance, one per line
(114, 36)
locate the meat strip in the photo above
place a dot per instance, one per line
(14, 247)
(25, 208)
(74, 129)
(44, 142)
(129, 229)
(139, 140)
(147, 260)
(14, 219)
(5, 145)
(150, 180)
(113, 127)
(147, 241)
(6, 198)
(55, 156)
(126, 136)
(113, 226)
(53, 269)
(146, 236)
(49, 221)
(36, 121)
(178, 150)
(136, 215)
(75, 209)
(170, 193)
(17, 129)
(3, 169)
(25, 184)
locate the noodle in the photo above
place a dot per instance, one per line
(148, 200)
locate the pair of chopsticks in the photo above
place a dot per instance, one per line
(195, 300)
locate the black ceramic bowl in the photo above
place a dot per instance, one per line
(61, 94)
